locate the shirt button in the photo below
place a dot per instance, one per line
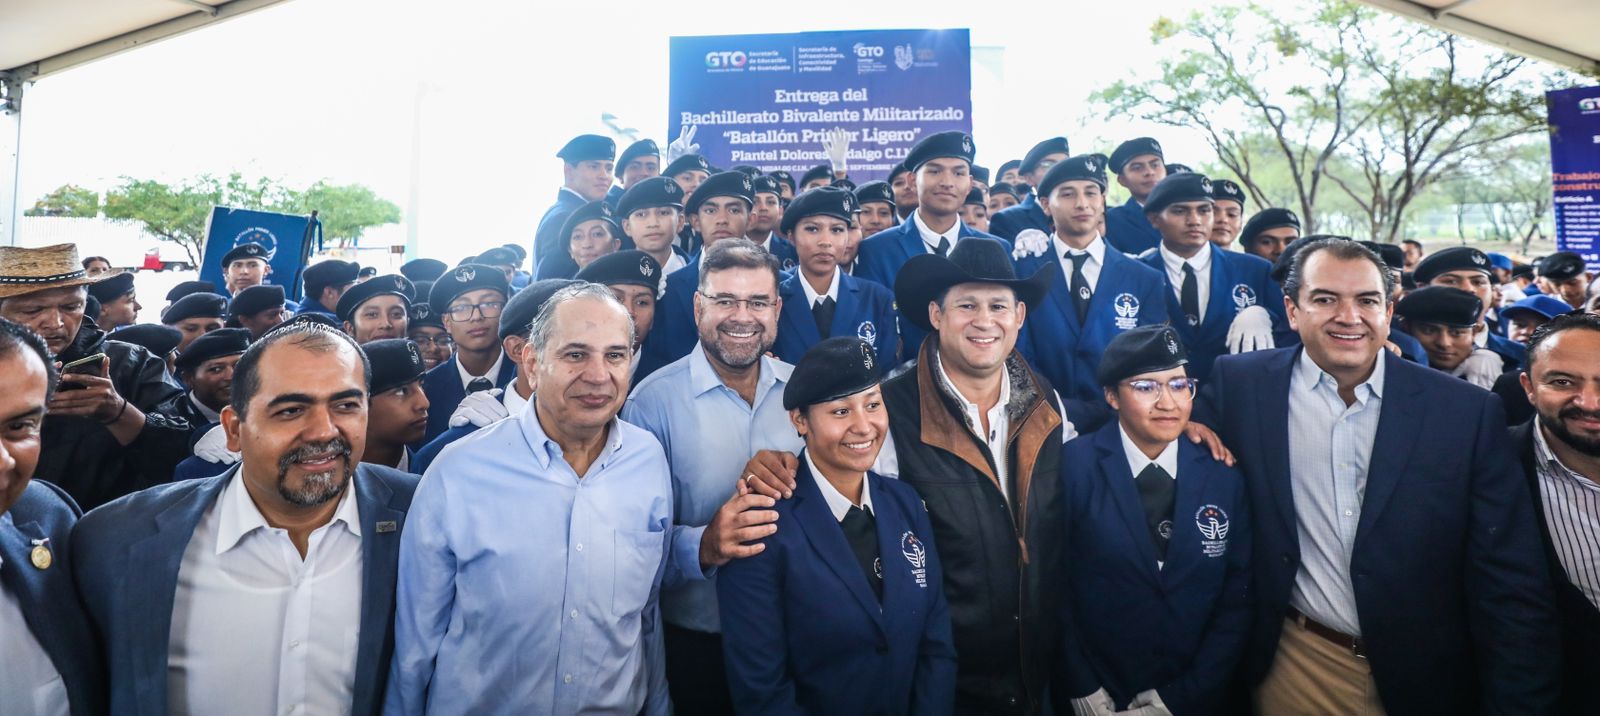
(574, 614)
(294, 644)
(580, 546)
(1349, 513)
(567, 678)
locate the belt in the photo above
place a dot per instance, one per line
(1352, 644)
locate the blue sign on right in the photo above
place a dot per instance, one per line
(1575, 170)
(770, 100)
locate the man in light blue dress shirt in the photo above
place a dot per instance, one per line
(712, 410)
(530, 573)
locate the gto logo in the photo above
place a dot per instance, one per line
(726, 59)
(1589, 104)
(867, 51)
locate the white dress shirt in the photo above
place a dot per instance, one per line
(514, 401)
(838, 504)
(1091, 268)
(674, 262)
(811, 294)
(256, 629)
(1137, 461)
(467, 378)
(999, 425)
(1201, 262)
(930, 238)
(205, 412)
(29, 682)
(1571, 504)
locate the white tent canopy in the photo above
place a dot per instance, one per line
(1558, 31)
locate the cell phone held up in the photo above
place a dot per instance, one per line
(90, 365)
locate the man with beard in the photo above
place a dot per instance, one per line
(112, 426)
(377, 308)
(1560, 451)
(712, 410)
(586, 165)
(398, 414)
(266, 589)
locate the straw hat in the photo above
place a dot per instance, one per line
(29, 270)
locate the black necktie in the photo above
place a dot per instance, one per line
(822, 313)
(1189, 295)
(479, 384)
(1157, 491)
(861, 531)
(943, 248)
(1081, 293)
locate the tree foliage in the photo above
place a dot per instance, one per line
(346, 210)
(67, 200)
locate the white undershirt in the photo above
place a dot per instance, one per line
(838, 504)
(29, 681)
(999, 424)
(812, 296)
(1201, 262)
(1091, 268)
(930, 238)
(467, 378)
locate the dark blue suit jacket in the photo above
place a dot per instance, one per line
(1067, 352)
(880, 258)
(673, 334)
(1237, 280)
(126, 559)
(548, 243)
(1180, 629)
(1451, 585)
(803, 632)
(788, 256)
(442, 385)
(864, 310)
(1128, 231)
(312, 305)
(1010, 221)
(48, 597)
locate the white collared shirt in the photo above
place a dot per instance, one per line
(30, 682)
(674, 262)
(1201, 262)
(838, 504)
(514, 401)
(205, 412)
(1571, 504)
(1137, 461)
(467, 378)
(256, 629)
(765, 242)
(930, 238)
(811, 294)
(999, 424)
(1091, 268)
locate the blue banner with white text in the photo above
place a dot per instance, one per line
(283, 235)
(1575, 170)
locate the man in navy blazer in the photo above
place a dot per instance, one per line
(1409, 525)
(52, 663)
(190, 618)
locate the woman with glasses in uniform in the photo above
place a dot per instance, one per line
(1158, 546)
(843, 611)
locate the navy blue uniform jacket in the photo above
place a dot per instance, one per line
(1452, 588)
(802, 631)
(1180, 629)
(673, 334)
(548, 243)
(49, 598)
(880, 258)
(126, 558)
(443, 387)
(864, 309)
(1128, 231)
(1010, 221)
(1237, 281)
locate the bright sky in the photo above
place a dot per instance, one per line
(315, 89)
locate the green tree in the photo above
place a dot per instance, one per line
(179, 213)
(346, 210)
(67, 200)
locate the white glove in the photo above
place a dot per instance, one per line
(1251, 330)
(1482, 368)
(1029, 242)
(837, 144)
(1096, 704)
(684, 144)
(481, 409)
(1148, 703)
(213, 447)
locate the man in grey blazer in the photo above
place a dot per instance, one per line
(270, 588)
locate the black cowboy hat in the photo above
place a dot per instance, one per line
(973, 260)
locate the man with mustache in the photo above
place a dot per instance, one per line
(266, 589)
(712, 410)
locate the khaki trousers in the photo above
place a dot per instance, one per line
(1311, 675)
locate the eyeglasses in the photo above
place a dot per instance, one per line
(487, 309)
(729, 303)
(442, 341)
(1150, 390)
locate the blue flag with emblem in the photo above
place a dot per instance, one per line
(288, 238)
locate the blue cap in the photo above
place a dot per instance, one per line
(1546, 307)
(1500, 261)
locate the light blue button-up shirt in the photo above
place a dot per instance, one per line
(525, 588)
(1330, 449)
(709, 433)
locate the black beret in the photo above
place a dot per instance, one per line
(879, 191)
(820, 171)
(821, 201)
(1146, 349)
(784, 178)
(366, 272)
(1266, 219)
(188, 287)
(896, 171)
(389, 285)
(649, 194)
(731, 184)
(1008, 166)
(1178, 188)
(1223, 189)
(520, 311)
(216, 344)
(422, 314)
(631, 267)
(464, 278)
(1176, 168)
(423, 269)
(158, 339)
(1006, 188)
(592, 211)
(1442, 305)
(245, 251)
(92, 307)
(522, 253)
(844, 184)
(497, 256)
(687, 162)
(835, 368)
(976, 196)
(980, 174)
(256, 299)
(1393, 256)
(330, 273)
(1522, 271)
(112, 287)
(196, 305)
(851, 203)
(637, 150)
(1455, 258)
(588, 147)
(1053, 145)
(395, 362)
(766, 185)
(1558, 266)
(1126, 151)
(1084, 167)
(748, 170)
(317, 317)
(953, 144)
